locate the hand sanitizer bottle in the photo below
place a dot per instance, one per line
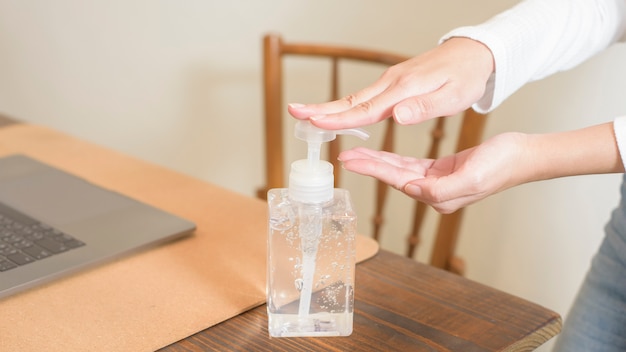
(311, 249)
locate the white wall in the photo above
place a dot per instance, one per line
(178, 83)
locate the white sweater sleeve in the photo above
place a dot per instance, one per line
(537, 38)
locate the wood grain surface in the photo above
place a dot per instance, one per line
(402, 305)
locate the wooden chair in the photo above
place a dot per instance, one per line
(275, 50)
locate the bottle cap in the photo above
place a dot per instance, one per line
(311, 180)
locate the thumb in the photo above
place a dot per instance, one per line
(442, 193)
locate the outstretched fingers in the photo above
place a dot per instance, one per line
(358, 104)
(390, 168)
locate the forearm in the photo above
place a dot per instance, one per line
(591, 150)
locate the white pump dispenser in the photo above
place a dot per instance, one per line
(311, 180)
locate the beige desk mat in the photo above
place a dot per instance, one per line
(155, 297)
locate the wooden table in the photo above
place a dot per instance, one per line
(402, 305)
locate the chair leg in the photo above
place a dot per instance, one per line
(414, 237)
(378, 219)
(445, 242)
(381, 187)
(456, 265)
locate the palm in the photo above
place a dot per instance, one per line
(447, 183)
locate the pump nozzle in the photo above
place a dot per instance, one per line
(311, 180)
(307, 132)
(315, 136)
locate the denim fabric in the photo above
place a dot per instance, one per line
(597, 320)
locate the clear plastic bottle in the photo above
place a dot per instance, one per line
(327, 291)
(311, 248)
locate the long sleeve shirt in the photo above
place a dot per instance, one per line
(537, 38)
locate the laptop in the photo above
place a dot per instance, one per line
(53, 223)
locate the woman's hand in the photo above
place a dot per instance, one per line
(441, 82)
(501, 162)
(451, 182)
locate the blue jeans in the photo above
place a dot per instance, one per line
(597, 320)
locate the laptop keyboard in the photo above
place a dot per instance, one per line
(24, 240)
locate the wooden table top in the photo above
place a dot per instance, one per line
(402, 305)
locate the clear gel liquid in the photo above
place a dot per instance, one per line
(331, 304)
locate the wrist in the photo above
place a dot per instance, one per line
(591, 150)
(474, 52)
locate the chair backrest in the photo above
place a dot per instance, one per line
(274, 52)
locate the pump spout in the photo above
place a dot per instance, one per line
(315, 136)
(307, 132)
